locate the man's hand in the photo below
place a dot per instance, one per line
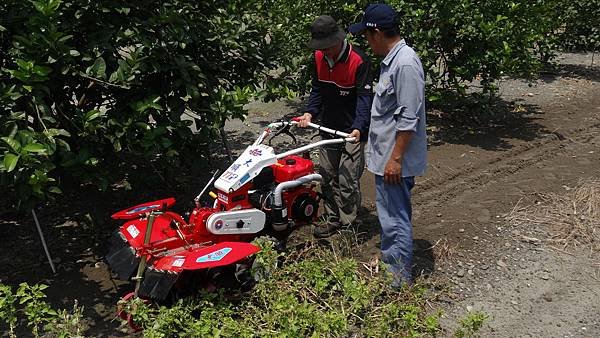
(304, 120)
(392, 174)
(356, 134)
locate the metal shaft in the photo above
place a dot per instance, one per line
(39, 229)
(142, 265)
(212, 179)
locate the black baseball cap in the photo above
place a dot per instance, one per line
(380, 16)
(325, 33)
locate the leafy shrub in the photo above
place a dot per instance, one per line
(458, 40)
(87, 86)
(316, 294)
(469, 325)
(28, 303)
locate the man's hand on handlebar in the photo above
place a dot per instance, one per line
(356, 134)
(304, 120)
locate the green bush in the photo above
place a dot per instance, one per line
(581, 26)
(28, 303)
(85, 85)
(471, 324)
(458, 40)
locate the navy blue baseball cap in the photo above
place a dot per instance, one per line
(380, 16)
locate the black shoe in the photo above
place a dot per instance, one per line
(327, 229)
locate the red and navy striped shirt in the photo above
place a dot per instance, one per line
(341, 95)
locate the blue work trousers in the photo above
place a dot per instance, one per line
(395, 212)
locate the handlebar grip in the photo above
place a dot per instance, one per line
(297, 118)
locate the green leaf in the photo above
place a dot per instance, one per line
(42, 71)
(56, 132)
(24, 64)
(150, 103)
(92, 115)
(14, 144)
(98, 69)
(35, 148)
(10, 161)
(55, 190)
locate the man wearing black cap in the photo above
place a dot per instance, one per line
(341, 96)
(396, 151)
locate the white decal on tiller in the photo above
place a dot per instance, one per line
(133, 231)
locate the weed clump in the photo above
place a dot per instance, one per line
(314, 292)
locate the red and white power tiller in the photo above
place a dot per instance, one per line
(261, 194)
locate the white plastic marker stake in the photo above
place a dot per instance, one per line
(39, 229)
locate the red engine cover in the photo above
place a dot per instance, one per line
(292, 167)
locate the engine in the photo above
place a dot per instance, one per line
(297, 203)
(279, 196)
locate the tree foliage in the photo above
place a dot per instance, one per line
(457, 40)
(83, 84)
(581, 25)
(86, 86)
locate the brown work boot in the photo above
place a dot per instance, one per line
(326, 229)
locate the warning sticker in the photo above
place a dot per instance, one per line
(133, 231)
(178, 262)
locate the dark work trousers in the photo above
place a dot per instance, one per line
(341, 173)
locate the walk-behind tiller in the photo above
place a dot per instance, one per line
(261, 194)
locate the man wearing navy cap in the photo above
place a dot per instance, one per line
(341, 96)
(396, 150)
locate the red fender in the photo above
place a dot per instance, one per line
(221, 254)
(140, 209)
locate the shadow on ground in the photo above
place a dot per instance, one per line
(479, 122)
(554, 72)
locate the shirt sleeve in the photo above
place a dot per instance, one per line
(364, 96)
(410, 87)
(314, 100)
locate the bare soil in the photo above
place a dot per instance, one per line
(546, 139)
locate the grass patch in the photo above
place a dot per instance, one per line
(572, 218)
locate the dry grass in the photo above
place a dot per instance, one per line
(443, 251)
(572, 219)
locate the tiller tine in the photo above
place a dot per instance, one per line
(121, 257)
(157, 284)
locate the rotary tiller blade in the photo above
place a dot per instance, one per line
(157, 284)
(121, 257)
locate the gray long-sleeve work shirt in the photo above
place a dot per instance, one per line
(398, 105)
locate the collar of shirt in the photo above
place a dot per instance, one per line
(344, 51)
(390, 56)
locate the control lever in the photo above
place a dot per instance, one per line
(285, 129)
